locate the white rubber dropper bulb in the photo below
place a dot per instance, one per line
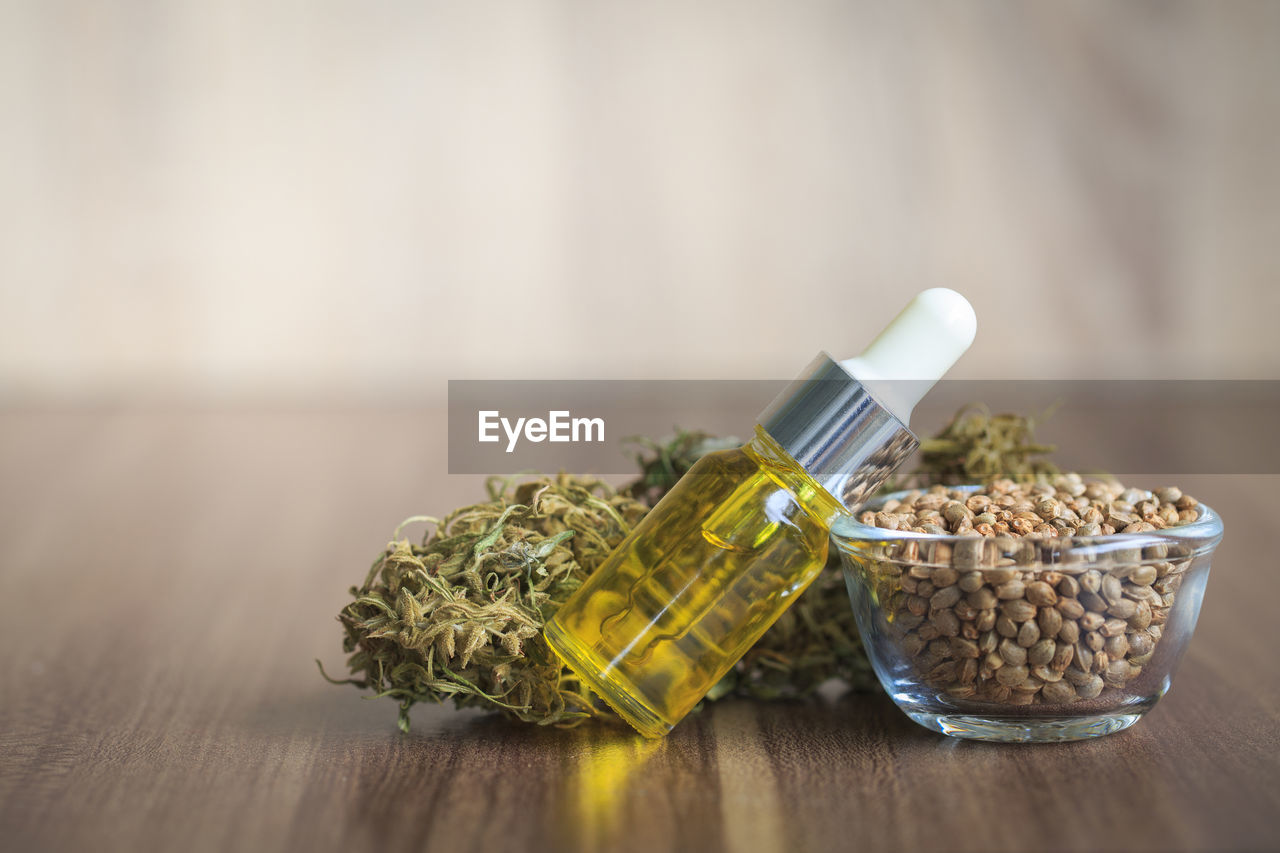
(915, 350)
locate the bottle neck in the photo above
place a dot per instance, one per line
(818, 503)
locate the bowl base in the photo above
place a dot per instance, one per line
(1025, 729)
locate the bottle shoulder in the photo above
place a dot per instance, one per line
(790, 475)
(731, 460)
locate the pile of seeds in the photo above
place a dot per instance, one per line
(1014, 613)
(1063, 506)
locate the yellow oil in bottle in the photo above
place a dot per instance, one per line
(711, 567)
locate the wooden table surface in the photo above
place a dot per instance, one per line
(168, 576)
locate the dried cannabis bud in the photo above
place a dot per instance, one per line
(460, 616)
(977, 447)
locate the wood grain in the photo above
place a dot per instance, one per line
(167, 577)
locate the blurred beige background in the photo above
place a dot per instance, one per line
(304, 200)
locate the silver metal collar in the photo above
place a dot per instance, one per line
(840, 434)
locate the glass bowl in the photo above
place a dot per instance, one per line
(1025, 638)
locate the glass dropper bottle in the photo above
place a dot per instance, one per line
(745, 531)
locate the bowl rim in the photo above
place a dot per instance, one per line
(1203, 533)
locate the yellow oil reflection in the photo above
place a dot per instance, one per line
(601, 778)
